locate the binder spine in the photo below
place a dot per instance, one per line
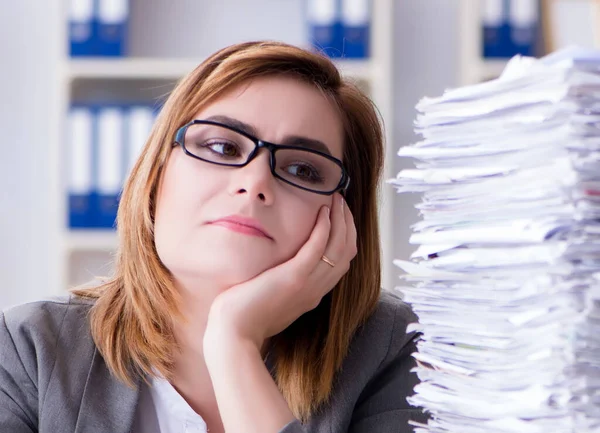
(79, 162)
(324, 26)
(81, 28)
(493, 21)
(356, 17)
(139, 124)
(524, 18)
(110, 164)
(112, 27)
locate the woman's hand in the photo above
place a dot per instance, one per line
(267, 304)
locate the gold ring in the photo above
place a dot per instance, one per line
(328, 261)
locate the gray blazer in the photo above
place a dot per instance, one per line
(53, 380)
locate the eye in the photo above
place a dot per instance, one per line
(223, 148)
(305, 172)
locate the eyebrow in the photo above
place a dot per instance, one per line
(290, 140)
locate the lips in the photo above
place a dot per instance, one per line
(242, 224)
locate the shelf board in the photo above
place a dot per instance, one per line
(172, 69)
(490, 69)
(363, 69)
(91, 240)
(479, 69)
(130, 68)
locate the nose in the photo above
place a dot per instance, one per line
(255, 179)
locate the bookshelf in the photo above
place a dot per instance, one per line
(148, 74)
(90, 240)
(173, 69)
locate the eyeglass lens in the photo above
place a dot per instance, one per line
(221, 145)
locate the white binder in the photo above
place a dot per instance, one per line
(79, 161)
(139, 124)
(110, 150)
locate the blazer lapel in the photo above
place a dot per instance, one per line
(108, 405)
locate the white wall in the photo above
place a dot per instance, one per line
(213, 27)
(29, 54)
(426, 42)
(426, 63)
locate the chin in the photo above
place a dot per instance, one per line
(221, 266)
(218, 255)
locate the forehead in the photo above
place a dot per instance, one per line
(279, 106)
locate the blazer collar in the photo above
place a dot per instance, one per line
(108, 404)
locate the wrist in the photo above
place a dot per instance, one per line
(225, 328)
(222, 343)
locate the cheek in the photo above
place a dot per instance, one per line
(186, 185)
(179, 206)
(299, 222)
(175, 201)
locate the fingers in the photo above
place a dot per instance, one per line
(336, 245)
(333, 235)
(351, 235)
(309, 255)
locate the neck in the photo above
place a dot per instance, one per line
(191, 377)
(196, 301)
(190, 369)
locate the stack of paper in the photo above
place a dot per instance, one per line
(506, 278)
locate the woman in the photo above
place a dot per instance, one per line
(246, 296)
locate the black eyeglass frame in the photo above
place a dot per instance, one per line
(271, 147)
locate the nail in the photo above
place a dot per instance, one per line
(342, 199)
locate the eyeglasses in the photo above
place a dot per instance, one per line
(226, 145)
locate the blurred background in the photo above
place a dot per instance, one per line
(82, 81)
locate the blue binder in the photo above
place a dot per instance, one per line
(112, 17)
(492, 21)
(110, 139)
(524, 23)
(80, 154)
(81, 28)
(356, 23)
(325, 27)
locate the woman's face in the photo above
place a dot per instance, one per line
(193, 193)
